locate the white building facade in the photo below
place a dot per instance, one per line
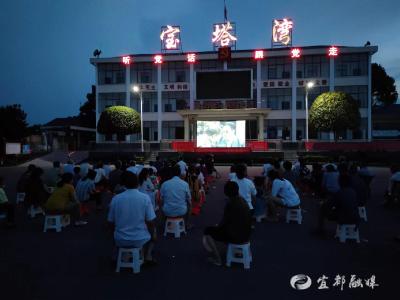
(168, 85)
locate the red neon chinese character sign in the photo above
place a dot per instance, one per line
(333, 51)
(191, 57)
(158, 59)
(126, 60)
(295, 53)
(258, 54)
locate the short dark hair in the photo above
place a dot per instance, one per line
(231, 189)
(273, 174)
(287, 165)
(56, 164)
(176, 171)
(118, 164)
(241, 171)
(91, 174)
(259, 181)
(131, 180)
(77, 169)
(65, 178)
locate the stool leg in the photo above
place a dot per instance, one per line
(166, 228)
(177, 229)
(136, 260)
(246, 257)
(45, 225)
(299, 217)
(229, 256)
(119, 259)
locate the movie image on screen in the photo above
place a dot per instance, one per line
(224, 85)
(212, 134)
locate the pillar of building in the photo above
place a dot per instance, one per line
(258, 84)
(369, 110)
(191, 85)
(260, 128)
(186, 127)
(97, 102)
(293, 105)
(331, 74)
(159, 103)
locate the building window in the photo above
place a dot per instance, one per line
(110, 99)
(150, 131)
(312, 66)
(312, 95)
(351, 65)
(172, 130)
(143, 72)
(277, 128)
(358, 92)
(276, 98)
(173, 101)
(174, 71)
(149, 102)
(208, 65)
(111, 74)
(276, 68)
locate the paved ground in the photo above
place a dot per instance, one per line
(75, 264)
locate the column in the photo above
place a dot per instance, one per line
(127, 92)
(331, 74)
(258, 84)
(294, 99)
(159, 103)
(369, 112)
(260, 128)
(191, 86)
(97, 102)
(186, 127)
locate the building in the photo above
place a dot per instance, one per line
(275, 110)
(386, 122)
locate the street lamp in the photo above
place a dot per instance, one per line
(309, 86)
(137, 90)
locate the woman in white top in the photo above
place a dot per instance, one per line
(247, 190)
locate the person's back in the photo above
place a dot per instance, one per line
(175, 195)
(330, 180)
(60, 198)
(85, 187)
(247, 190)
(130, 210)
(237, 221)
(345, 201)
(68, 167)
(282, 188)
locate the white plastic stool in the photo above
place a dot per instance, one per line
(260, 218)
(32, 211)
(20, 198)
(347, 232)
(56, 222)
(175, 226)
(362, 211)
(294, 214)
(133, 257)
(239, 254)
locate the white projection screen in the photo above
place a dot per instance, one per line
(221, 134)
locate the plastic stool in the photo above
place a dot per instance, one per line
(175, 226)
(260, 218)
(346, 232)
(239, 254)
(53, 222)
(20, 198)
(32, 211)
(294, 214)
(134, 261)
(362, 211)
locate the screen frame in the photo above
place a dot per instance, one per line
(223, 99)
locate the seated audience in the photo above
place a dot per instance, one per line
(115, 175)
(175, 196)
(267, 167)
(247, 190)
(132, 218)
(232, 174)
(5, 205)
(330, 180)
(53, 175)
(235, 226)
(77, 175)
(183, 166)
(288, 173)
(68, 167)
(85, 167)
(283, 194)
(101, 173)
(147, 187)
(85, 188)
(23, 180)
(341, 207)
(63, 201)
(260, 202)
(36, 191)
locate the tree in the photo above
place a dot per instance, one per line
(88, 110)
(119, 120)
(13, 125)
(334, 111)
(383, 86)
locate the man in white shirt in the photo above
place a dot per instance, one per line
(132, 218)
(68, 167)
(132, 167)
(85, 169)
(183, 166)
(282, 194)
(175, 196)
(266, 168)
(247, 190)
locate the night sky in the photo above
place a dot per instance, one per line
(46, 44)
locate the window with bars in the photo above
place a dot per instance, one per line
(351, 65)
(111, 74)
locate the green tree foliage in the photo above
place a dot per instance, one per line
(119, 120)
(13, 125)
(87, 112)
(334, 111)
(383, 85)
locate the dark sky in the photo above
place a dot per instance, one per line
(46, 44)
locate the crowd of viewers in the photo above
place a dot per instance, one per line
(143, 194)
